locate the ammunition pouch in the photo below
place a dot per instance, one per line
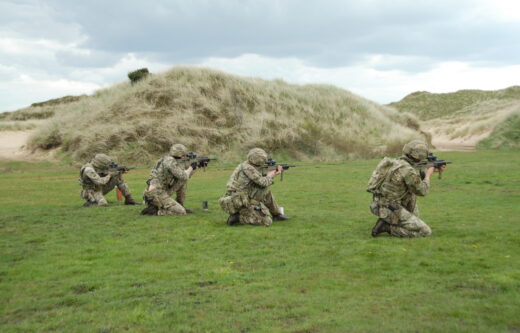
(389, 213)
(232, 203)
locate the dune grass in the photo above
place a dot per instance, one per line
(213, 112)
(430, 106)
(505, 136)
(16, 125)
(464, 114)
(68, 268)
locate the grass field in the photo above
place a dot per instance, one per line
(73, 269)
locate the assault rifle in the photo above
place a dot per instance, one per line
(432, 161)
(119, 168)
(272, 163)
(201, 162)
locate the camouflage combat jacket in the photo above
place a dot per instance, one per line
(247, 178)
(168, 175)
(401, 186)
(90, 179)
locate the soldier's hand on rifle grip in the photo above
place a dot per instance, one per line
(428, 172)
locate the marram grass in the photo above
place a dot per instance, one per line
(467, 113)
(217, 113)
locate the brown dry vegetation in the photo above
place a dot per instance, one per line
(463, 115)
(219, 114)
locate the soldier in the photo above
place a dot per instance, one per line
(248, 199)
(166, 178)
(395, 184)
(98, 178)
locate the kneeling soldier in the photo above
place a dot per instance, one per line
(98, 177)
(168, 177)
(395, 183)
(248, 199)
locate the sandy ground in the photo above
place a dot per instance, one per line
(12, 145)
(444, 143)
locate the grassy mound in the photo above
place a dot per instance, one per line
(505, 136)
(429, 106)
(224, 115)
(465, 114)
(40, 110)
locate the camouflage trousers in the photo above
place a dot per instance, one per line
(409, 225)
(258, 209)
(95, 195)
(164, 203)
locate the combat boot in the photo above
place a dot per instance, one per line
(130, 201)
(280, 217)
(380, 227)
(188, 211)
(149, 210)
(89, 204)
(233, 219)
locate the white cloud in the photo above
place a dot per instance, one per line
(383, 86)
(499, 10)
(378, 49)
(25, 89)
(22, 86)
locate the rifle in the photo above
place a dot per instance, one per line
(432, 161)
(272, 163)
(119, 168)
(202, 162)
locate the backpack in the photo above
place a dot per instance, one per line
(383, 169)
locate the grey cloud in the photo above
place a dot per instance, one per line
(36, 20)
(91, 59)
(324, 33)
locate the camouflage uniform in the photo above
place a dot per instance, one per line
(395, 200)
(97, 180)
(166, 178)
(248, 192)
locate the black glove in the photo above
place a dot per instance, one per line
(194, 165)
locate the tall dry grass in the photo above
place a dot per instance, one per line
(224, 115)
(431, 106)
(463, 114)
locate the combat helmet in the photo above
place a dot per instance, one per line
(416, 149)
(257, 156)
(177, 150)
(101, 162)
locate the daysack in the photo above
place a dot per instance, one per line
(383, 169)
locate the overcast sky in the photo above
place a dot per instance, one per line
(379, 49)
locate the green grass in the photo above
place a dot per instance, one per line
(505, 136)
(68, 268)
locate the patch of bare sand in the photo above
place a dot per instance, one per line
(444, 142)
(13, 143)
